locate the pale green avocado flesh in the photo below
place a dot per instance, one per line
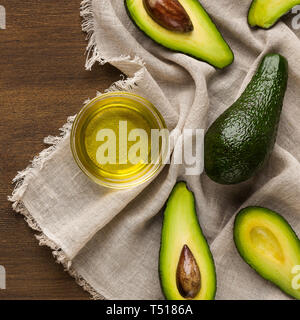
(269, 245)
(204, 42)
(265, 13)
(181, 227)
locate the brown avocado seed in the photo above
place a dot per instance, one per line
(188, 276)
(169, 14)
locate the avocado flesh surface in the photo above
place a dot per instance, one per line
(269, 245)
(205, 42)
(265, 13)
(240, 140)
(181, 227)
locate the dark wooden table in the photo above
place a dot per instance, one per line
(42, 82)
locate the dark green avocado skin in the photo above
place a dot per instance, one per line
(237, 144)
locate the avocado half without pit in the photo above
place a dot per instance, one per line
(265, 13)
(186, 266)
(182, 26)
(270, 246)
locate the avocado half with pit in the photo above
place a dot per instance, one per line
(265, 13)
(182, 26)
(270, 246)
(186, 265)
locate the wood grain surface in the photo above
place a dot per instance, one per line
(42, 82)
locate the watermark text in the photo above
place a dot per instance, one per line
(2, 18)
(296, 278)
(296, 19)
(136, 146)
(2, 278)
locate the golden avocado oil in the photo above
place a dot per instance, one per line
(112, 140)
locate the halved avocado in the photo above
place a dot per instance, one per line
(186, 265)
(270, 246)
(204, 42)
(265, 13)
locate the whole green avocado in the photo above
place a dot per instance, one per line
(237, 144)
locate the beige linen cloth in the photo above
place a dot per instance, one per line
(109, 240)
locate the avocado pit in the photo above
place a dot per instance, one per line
(188, 276)
(169, 14)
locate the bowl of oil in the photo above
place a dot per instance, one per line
(119, 140)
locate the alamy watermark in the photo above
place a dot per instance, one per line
(2, 278)
(2, 18)
(138, 146)
(296, 279)
(296, 19)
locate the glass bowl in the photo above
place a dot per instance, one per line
(119, 140)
